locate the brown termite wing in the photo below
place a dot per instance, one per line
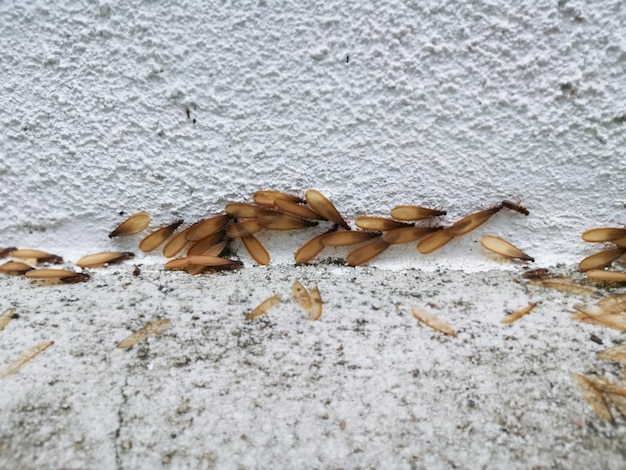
(301, 295)
(295, 209)
(274, 220)
(106, 257)
(434, 241)
(606, 275)
(604, 234)
(155, 239)
(268, 197)
(472, 221)
(256, 249)
(144, 332)
(177, 243)
(315, 312)
(347, 238)
(63, 275)
(24, 358)
(207, 227)
(592, 396)
(5, 318)
(134, 224)
(243, 229)
(601, 259)
(38, 255)
(379, 224)
(313, 247)
(519, 314)
(366, 252)
(433, 321)
(408, 234)
(322, 206)
(415, 213)
(264, 307)
(14, 268)
(503, 248)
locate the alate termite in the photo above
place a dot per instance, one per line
(243, 229)
(38, 255)
(134, 224)
(433, 321)
(502, 247)
(144, 332)
(264, 307)
(268, 197)
(434, 241)
(348, 238)
(65, 276)
(201, 246)
(256, 249)
(215, 250)
(177, 243)
(242, 210)
(379, 224)
(322, 205)
(207, 227)
(367, 252)
(295, 209)
(620, 242)
(592, 396)
(24, 358)
(601, 259)
(415, 213)
(274, 220)
(519, 314)
(515, 206)
(606, 275)
(472, 221)
(155, 239)
(106, 257)
(607, 234)
(408, 234)
(15, 268)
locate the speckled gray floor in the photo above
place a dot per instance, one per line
(366, 386)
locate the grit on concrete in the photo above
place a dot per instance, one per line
(366, 386)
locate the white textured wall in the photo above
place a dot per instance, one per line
(451, 104)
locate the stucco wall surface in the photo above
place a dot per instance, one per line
(180, 107)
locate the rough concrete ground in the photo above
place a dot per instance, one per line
(367, 386)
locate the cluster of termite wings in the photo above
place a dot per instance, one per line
(206, 247)
(207, 242)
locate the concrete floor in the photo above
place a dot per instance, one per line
(366, 386)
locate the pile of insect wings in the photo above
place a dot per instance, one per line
(207, 242)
